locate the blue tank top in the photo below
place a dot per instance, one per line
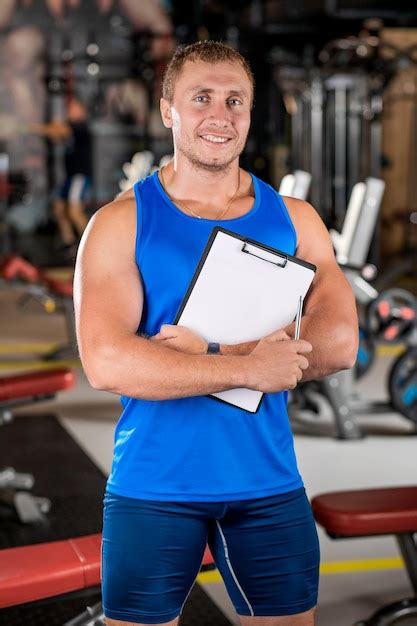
(199, 449)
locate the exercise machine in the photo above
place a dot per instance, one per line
(31, 573)
(334, 104)
(370, 513)
(296, 185)
(18, 390)
(391, 316)
(51, 293)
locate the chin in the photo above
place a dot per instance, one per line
(213, 165)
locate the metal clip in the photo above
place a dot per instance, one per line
(265, 255)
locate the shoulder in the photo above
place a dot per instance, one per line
(117, 218)
(300, 211)
(312, 234)
(129, 194)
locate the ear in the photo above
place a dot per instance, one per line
(165, 108)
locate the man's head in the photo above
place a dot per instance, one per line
(208, 52)
(207, 97)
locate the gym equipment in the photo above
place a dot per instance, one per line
(38, 571)
(332, 398)
(335, 108)
(141, 165)
(391, 316)
(51, 293)
(13, 187)
(363, 233)
(392, 313)
(343, 241)
(296, 185)
(366, 354)
(402, 384)
(32, 573)
(369, 513)
(18, 390)
(352, 245)
(335, 132)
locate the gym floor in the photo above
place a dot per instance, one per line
(358, 576)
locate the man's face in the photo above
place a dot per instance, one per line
(210, 113)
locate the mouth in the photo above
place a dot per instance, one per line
(215, 139)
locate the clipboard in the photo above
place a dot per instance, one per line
(242, 290)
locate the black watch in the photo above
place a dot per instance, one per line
(213, 348)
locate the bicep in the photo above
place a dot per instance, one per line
(330, 289)
(331, 294)
(108, 295)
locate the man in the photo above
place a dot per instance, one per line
(187, 469)
(69, 204)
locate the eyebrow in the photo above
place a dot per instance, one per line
(233, 92)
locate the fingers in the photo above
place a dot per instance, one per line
(303, 363)
(167, 331)
(278, 335)
(302, 346)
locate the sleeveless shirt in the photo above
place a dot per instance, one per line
(197, 448)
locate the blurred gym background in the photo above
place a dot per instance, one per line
(335, 123)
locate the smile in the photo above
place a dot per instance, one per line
(215, 138)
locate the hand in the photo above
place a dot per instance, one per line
(277, 362)
(181, 338)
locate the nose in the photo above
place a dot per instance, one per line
(219, 114)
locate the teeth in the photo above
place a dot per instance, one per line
(215, 139)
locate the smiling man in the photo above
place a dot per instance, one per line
(187, 469)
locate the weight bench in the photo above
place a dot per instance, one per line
(371, 512)
(45, 570)
(17, 390)
(51, 293)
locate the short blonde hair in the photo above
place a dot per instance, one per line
(207, 51)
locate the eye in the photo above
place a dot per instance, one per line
(201, 99)
(235, 101)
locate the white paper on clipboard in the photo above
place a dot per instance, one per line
(241, 291)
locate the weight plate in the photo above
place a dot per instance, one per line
(366, 353)
(402, 384)
(391, 317)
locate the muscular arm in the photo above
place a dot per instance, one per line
(108, 300)
(329, 320)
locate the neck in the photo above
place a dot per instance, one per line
(201, 195)
(188, 181)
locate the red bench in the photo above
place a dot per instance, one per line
(371, 512)
(17, 390)
(44, 570)
(30, 386)
(17, 268)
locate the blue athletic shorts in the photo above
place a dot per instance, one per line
(266, 550)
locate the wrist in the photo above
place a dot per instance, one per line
(238, 349)
(246, 371)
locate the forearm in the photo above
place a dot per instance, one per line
(139, 368)
(237, 349)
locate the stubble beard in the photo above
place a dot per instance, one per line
(199, 164)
